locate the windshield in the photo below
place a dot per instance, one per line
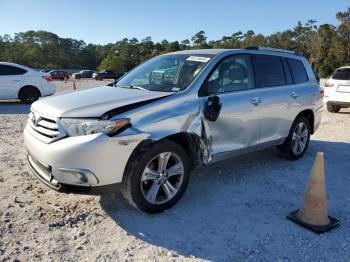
(168, 73)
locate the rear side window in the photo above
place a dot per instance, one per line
(298, 71)
(342, 74)
(270, 71)
(6, 70)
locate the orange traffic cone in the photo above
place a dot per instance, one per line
(74, 85)
(313, 214)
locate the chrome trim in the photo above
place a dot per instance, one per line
(46, 129)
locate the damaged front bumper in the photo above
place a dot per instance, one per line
(81, 163)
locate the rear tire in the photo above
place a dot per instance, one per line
(332, 108)
(149, 185)
(297, 141)
(29, 94)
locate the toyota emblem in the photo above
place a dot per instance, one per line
(34, 119)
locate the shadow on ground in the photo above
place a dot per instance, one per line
(236, 209)
(13, 108)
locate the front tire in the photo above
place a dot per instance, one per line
(29, 95)
(156, 177)
(332, 108)
(297, 141)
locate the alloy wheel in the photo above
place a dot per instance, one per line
(162, 178)
(300, 138)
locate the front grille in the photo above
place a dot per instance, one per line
(46, 129)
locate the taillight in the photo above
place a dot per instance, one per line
(321, 93)
(328, 84)
(47, 78)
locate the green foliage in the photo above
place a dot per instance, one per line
(112, 62)
(326, 47)
(199, 40)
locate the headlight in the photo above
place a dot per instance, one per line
(80, 127)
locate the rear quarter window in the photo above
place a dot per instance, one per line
(342, 74)
(297, 70)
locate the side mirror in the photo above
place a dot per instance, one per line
(212, 108)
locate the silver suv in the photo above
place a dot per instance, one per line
(146, 132)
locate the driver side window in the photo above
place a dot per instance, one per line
(234, 73)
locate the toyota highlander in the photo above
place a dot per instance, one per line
(146, 132)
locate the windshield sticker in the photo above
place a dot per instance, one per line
(175, 89)
(201, 59)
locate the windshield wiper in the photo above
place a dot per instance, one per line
(134, 87)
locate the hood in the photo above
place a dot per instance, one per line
(93, 102)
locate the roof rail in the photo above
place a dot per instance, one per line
(271, 49)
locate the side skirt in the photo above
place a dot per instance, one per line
(230, 154)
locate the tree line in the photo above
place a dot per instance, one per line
(326, 47)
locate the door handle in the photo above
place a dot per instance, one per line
(16, 80)
(255, 101)
(294, 95)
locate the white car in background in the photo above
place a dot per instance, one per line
(24, 83)
(337, 90)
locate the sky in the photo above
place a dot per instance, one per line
(103, 21)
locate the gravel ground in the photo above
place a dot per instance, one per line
(232, 211)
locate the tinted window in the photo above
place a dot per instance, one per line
(298, 71)
(231, 74)
(342, 74)
(270, 70)
(11, 70)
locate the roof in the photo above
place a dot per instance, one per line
(251, 49)
(13, 64)
(202, 51)
(8, 63)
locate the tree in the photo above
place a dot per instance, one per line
(185, 44)
(199, 40)
(344, 32)
(113, 63)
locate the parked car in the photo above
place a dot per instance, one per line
(146, 132)
(106, 74)
(59, 75)
(337, 90)
(83, 74)
(24, 83)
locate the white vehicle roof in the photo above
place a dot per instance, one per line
(343, 67)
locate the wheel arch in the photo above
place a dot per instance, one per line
(190, 142)
(27, 86)
(309, 114)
